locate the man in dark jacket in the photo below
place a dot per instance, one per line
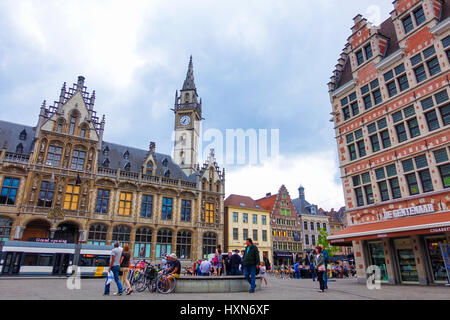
(235, 262)
(250, 263)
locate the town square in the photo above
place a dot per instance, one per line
(204, 151)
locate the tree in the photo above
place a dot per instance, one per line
(323, 240)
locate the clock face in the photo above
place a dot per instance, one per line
(185, 120)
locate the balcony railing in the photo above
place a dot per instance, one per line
(17, 158)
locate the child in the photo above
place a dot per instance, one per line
(263, 273)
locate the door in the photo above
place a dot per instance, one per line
(61, 264)
(12, 263)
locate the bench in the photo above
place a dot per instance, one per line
(214, 284)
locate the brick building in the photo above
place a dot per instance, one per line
(61, 180)
(390, 106)
(286, 227)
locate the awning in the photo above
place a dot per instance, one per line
(424, 224)
(283, 254)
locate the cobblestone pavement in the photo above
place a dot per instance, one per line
(279, 289)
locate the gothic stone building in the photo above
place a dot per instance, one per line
(61, 180)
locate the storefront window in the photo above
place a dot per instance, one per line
(406, 260)
(376, 254)
(436, 259)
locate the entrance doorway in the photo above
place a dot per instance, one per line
(36, 229)
(436, 260)
(406, 260)
(67, 231)
(12, 263)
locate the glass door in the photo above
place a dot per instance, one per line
(406, 260)
(12, 263)
(377, 258)
(436, 260)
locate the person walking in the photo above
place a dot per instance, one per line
(125, 268)
(297, 270)
(263, 273)
(114, 267)
(250, 263)
(325, 275)
(311, 267)
(319, 265)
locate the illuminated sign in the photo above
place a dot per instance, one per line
(411, 211)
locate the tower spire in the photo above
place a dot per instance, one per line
(189, 83)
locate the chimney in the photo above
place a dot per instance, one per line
(80, 83)
(152, 147)
(301, 193)
(268, 194)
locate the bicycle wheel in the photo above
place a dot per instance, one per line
(141, 284)
(165, 284)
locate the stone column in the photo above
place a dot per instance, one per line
(420, 256)
(389, 255)
(360, 261)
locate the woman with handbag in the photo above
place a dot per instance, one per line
(319, 265)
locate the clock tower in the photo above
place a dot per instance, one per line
(188, 115)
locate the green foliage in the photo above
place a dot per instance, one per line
(323, 236)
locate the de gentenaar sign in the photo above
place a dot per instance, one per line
(411, 211)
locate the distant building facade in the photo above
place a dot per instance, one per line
(286, 227)
(312, 220)
(244, 218)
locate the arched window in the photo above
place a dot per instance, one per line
(149, 169)
(163, 243)
(83, 132)
(23, 135)
(209, 244)
(5, 228)
(184, 244)
(97, 234)
(121, 234)
(73, 122)
(105, 163)
(19, 148)
(143, 243)
(127, 167)
(186, 96)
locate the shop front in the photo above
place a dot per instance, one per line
(404, 251)
(283, 258)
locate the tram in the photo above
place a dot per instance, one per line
(20, 258)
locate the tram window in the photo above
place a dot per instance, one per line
(86, 260)
(45, 260)
(102, 261)
(30, 259)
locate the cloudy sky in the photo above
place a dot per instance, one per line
(258, 64)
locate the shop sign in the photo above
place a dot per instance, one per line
(411, 211)
(438, 230)
(46, 240)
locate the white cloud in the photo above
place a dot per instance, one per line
(316, 172)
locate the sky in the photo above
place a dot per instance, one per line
(258, 64)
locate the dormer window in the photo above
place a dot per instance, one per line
(149, 169)
(167, 173)
(59, 128)
(127, 167)
(186, 97)
(165, 162)
(419, 17)
(106, 151)
(83, 132)
(23, 135)
(19, 148)
(126, 155)
(106, 163)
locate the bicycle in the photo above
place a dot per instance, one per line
(147, 279)
(166, 283)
